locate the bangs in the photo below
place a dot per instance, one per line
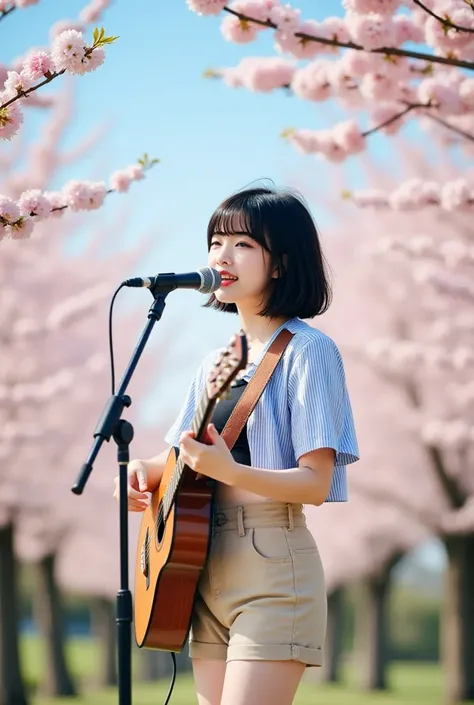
(238, 218)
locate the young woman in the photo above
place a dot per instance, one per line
(260, 614)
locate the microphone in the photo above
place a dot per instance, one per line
(205, 280)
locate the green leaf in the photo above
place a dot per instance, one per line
(96, 34)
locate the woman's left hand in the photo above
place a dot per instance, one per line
(213, 460)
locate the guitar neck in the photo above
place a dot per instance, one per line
(200, 421)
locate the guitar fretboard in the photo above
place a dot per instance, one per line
(202, 411)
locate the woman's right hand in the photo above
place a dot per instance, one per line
(137, 487)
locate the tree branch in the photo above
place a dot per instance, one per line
(444, 21)
(25, 94)
(7, 12)
(456, 497)
(394, 118)
(388, 51)
(448, 126)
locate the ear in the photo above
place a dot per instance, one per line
(277, 272)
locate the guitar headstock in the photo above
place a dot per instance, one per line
(227, 366)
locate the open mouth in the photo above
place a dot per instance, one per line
(227, 279)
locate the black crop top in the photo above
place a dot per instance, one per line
(240, 451)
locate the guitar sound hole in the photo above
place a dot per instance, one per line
(160, 530)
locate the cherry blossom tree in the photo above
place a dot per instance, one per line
(364, 61)
(404, 312)
(72, 54)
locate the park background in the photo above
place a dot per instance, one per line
(151, 96)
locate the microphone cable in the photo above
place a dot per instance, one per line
(112, 376)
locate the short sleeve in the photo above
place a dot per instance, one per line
(321, 413)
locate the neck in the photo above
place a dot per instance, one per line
(259, 329)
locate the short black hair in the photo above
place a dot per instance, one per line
(280, 221)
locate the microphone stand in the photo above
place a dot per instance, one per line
(111, 424)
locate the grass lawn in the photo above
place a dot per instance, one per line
(411, 684)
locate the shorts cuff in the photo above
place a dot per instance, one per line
(201, 649)
(275, 652)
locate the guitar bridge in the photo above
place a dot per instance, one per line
(145, 558)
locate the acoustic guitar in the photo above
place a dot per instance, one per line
(175, 531)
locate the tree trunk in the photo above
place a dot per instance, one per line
(331, 671)
(12, 688)
(49, 616)
(372, 638)
(105, 630)
(457, 642)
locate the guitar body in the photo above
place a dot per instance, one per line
(175, 532)
(170, 559)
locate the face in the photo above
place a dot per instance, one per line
(246, 264)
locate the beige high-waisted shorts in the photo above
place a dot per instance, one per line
(261, 595)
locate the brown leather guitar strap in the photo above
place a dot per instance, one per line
(255, 387)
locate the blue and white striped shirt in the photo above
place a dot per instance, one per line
(304, 406)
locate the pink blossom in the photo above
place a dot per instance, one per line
(344, 86)
(300, 47)
(25, 3)
(364, 7)
(63, 25)
(439, 93)
(93, 11)
(68, 50)
(348, 136)
(206, 7)
(8, 209)
(328, 147)
(415, 193)
(312, 81)
(457, 195)
(357, 63)
(11, 118)
(285, 18)
(372, 31)
(264, 74)
(252, 8)
(21, 229)
(466, 92)
(442, 37)
(56, 203)
(319, 142)
(136, 172)
(334, 28)
(238, 31)
(376, 86)
(92, 61)
(407, 31)
(33, 203)
(17, 82)
(120, 181)
(371, 198)
(286, 42)
(84, 195)
(303, 140)
(38, 64)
